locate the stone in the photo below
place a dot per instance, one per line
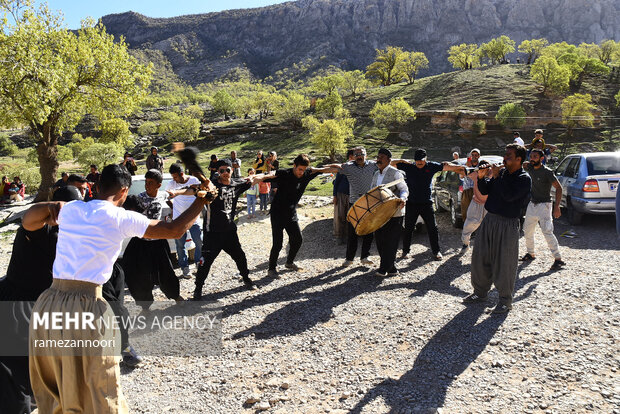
(263, 406)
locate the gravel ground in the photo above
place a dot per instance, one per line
(335, 340)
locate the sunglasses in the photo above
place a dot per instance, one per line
(224, 170)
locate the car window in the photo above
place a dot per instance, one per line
(573, 168)
(562, 167)
(603, 165)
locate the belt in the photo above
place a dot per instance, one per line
(77, 286)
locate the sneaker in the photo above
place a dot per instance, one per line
(273, 273)
(438, 256)
(379, 273)
(527, 258)
(294, 267)
(501, 308)
(557, 264)
(366, 261)
(347, 263)
(473, 298)
(131, 357)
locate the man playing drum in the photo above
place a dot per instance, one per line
(387, 236)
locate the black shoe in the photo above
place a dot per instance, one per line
(197, 295)
(404, 254)
(131, 357)
(557, 264)
(527, 258)
(501, 308)
(249, 285)
(473, 298)
(393, 271)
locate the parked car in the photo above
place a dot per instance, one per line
(448, 190)
(137, 186)
(589, 184)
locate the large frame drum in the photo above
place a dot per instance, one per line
(371, 211)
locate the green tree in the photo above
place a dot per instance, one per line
(7, 146)
(265, 102)
(411, 63)
(330, 135)
(617, 98)
(555, 50)
(329, 83)
(464, 55)
(223, 103)
(497, 49)
(577, 112)
(392, 114)
(606, 50)
(79, 146)
(293, 107)
(550, 74)
(116, 131)
(65, 153)
(479, 126)
(51, 77)
(580, 65)
(532, 48)
(193, 111)
(327, 106)
(354, 82)
(384, 70)
(100, 154)
(511, 115)
(147, 128)
(245, 106)
(177, 127)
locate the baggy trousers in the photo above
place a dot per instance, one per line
(146, 263)
(475, 214)
(495, 257)
(340, 216)
(466, 199)
(387, 243)
(540, 213)
(278, 225)
(214, 243)
(412, 212)
(82, 379)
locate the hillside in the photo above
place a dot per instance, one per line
(345, 33)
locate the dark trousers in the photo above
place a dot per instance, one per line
(278, 225)
(412, 212)
(146, 263)
(114, 292)
(213, 243)
(352, 242)
(387, 243)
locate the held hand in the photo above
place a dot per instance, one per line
(495, 171)
(482, 173)
(171, 194)
(401, 204)
(557, 212)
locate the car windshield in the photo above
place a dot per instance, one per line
(604, 165)
(138, 186)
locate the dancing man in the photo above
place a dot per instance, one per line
(292, 183)
(496, 251)
(419, 179)
(89, 241)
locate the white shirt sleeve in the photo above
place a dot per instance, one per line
(402, 186)
(132, 224)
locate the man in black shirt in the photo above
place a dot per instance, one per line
(419, 179)
(219, 228)
(495, 256)
(292, 183)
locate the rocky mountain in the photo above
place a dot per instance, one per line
(345, 33)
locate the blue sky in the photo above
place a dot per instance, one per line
(75, 10)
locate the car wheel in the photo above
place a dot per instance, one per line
(456, 221)
(572, 215)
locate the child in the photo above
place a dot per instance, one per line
(251, 195)
(263, 193)
(146, 262)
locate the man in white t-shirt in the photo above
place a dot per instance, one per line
(84, 376)
(179, 205)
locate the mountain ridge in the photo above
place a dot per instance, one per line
(345, 33)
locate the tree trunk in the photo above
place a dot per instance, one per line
(48, 163)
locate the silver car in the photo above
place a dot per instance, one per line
(589, 184)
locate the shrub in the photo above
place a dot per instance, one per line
(147, 128)
(100, 154)
(480, 127)
(7, 146)
(116, 131)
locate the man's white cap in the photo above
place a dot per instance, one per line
(519, 141)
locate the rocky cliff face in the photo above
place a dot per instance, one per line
(346, 32)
